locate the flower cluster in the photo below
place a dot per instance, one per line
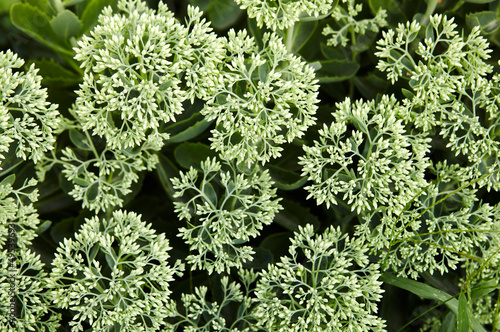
(200, 315)
(348, 25)
(282, 14)
(451, 93)
(327, 284)
(26, 118)
(268, 98)
(140, 66)
(223, 210)
(22, 278)
(377, 164)
(114, 273)
(134, 62)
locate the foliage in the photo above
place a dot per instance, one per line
(249, 165)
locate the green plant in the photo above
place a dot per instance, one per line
(289, 166)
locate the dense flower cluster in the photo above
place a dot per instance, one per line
(134, 62)
(223, 210)
(377, 164)
(452, 95)
(327, 284)
(268, 98)
(282, 14)
(26, 118)
(115, 272)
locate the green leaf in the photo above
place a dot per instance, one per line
(261, 259)
(190, 154)
(302, 32)
(449, 323)
(294, 215)
(429, 292)
(9, 180)
(391, 6)
(79, 140)
(202, 4)
(93, 252)
(91, 13)
(486, 20)
(92, 192)
(188, 129)
(36, 23)
(370, 85)
(285, 179)
(5, 5)
(429, 33)
(81, 182)
(166, 170)
(210, 193)
(223, 13)
(46, 6)
(255, 31)
(277, 244)
(66, 24)
(65, 184)
(484, 287)
(43, 227)
(407, 93)
(111, 258)
(336, 70)
(55, 75)
(463, 314)
(63, 229)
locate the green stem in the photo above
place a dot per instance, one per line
(289, 39)
(431, 7)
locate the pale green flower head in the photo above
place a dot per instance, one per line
(134, 63)
(282, 14)
(223, 210)
(26, 118)
(327, 284)
(451, 93)
(115, 272)
(377, 164)
(17, 210)
(26, 275)
(269, 98)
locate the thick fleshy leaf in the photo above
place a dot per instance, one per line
(192, 154)
(224, 13)
(66, 24)
(285, 179)
(302, 32)
(36, 23)
(56, 75)
(431, 293)
(261, 259)
(166, 170)
(336, 70)
(80, 140)
(187, 129)
(487, 20)
(91, 13)
(294, 215)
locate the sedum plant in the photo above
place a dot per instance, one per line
(268, 97)
(328, 283)
(377, 164)
(302, 165)
(217, 224)
(114, 273)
